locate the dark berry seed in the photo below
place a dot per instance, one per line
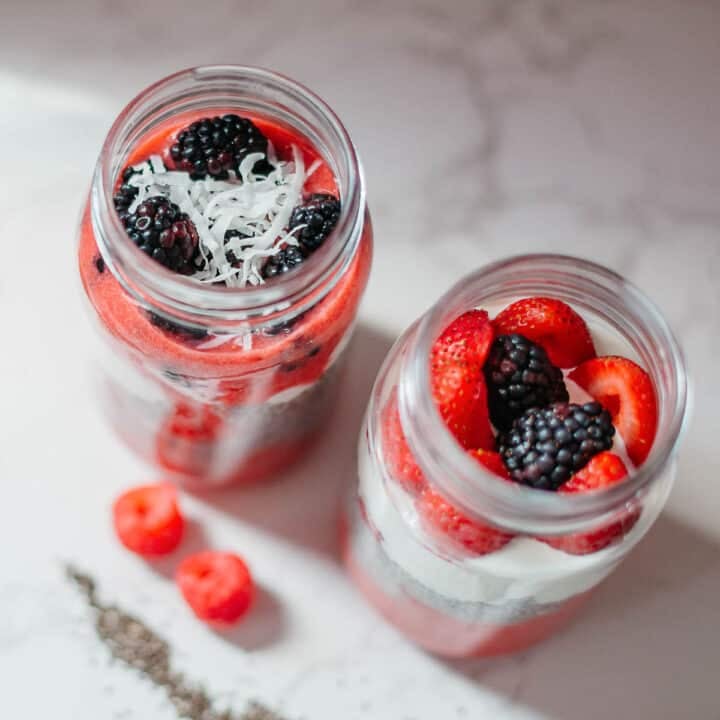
(99, 264)
(183, 331)
(519, 376)
(579, 433)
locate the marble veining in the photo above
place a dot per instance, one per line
(486, 128)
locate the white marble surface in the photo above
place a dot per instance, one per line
(486, 128)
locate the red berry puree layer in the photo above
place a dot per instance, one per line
(529, 398)
(234, 200)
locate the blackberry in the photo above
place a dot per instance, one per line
(126, 193)
(167, 235)
(545, 446)
(519, 376)
(212, 146)
(319, 214)
(287, 259)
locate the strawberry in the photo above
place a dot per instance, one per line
(602, 471)
(626, 391)
(458, 384)
(492, 461)
(147, 519)
(553, 325)
(217, 586)
(400, 461)
(186, 439)
(194, 422)
(441, 518)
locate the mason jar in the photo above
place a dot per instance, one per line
(215, 384)
(442, 596)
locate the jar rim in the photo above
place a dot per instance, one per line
(511, 505)
(218, 86)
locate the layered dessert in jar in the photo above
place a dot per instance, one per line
(224, 250)
(518, 443)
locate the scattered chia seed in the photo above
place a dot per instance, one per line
(131, 641)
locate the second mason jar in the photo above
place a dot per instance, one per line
(220, 347)
(465, 562)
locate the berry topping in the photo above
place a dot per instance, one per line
(440, 517)
(626, 390)
(212, 146)
(458, 384)
(400, 461)
(519, 376)
(217, 586)
(492, 461)
(226, 229)
(604, 470)
(147, 519)
(545, 446)
(553, 325)
(287, 259)
(317, 216)
(126, 193)
(167, 235)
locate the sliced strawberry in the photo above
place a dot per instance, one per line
(553, 325)
(458, 384)
(439, 517)
(400, 461)
(492, 461)
(602, 471)
(626, 391)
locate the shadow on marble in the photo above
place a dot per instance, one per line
(264, 626)
(647, 645)
(303, 504)
(194, 540)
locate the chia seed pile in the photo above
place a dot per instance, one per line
(132, 642)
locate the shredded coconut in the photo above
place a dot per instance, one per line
(257, 207)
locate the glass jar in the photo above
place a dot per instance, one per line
(216, 384)
(443, 597)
